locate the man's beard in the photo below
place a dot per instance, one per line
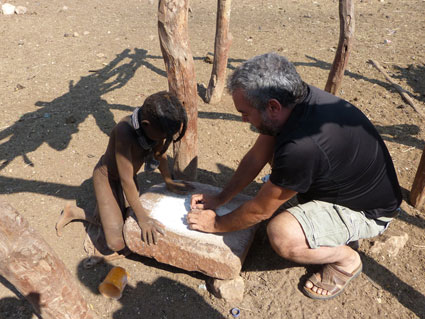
(267, 127)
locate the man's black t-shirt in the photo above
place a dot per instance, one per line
(328, 150)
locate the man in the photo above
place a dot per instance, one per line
(322, 149)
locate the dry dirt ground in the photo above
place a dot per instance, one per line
(71, 69)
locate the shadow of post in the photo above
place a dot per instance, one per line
(405, 294)
(19, 307)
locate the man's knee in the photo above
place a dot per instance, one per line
(285, 235)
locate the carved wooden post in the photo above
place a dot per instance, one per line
(174, 40)
(417, 194)
(223, 40)
(29, 264)
(346, 32)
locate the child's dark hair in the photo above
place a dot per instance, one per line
(166, 111)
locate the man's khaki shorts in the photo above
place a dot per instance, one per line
(326, 224)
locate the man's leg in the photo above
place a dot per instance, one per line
(288, 239)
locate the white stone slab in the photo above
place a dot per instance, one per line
(216, 255)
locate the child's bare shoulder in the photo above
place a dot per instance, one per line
(124, 125)
(123, 128)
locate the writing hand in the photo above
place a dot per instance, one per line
(204, 201)
(202, 220)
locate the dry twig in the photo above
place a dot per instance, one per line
(404, 94)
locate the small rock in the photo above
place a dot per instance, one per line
(389, 244)
(75, 34)
(100, 55)
(230, 290)
(86, 33)
(8, 9)
(19, 87)
(208, 59)
(21, 10)
(70, 120)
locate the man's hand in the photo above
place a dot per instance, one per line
(204, 201)
(202, 220)
(150, 230)
(179, 187)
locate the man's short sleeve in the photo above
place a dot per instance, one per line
(295, 165)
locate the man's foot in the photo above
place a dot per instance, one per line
(330, 282)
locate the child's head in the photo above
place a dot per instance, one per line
(162, 116)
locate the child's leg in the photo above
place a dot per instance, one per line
(71, 213)
(109, 198)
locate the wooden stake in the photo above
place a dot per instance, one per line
(223, 40)
(417, 193)
(174, 40)
(404, 94)
(346, 33)
(29, 264)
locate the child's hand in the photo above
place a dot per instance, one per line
(179, 187)
(150, 230)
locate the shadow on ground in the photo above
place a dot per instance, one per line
(164, 298)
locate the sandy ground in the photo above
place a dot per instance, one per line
(71, 70)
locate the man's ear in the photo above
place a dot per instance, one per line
(274, 106)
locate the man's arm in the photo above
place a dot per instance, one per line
(261, 207)
(252, 163)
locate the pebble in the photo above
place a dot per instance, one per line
(20, 10)
(8, 9)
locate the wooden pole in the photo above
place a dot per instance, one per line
(223, 40)
(174, 40)
(29, 264)
(346, 33)
(417, 193)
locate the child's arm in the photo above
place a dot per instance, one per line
(173, 186)
(123, 156)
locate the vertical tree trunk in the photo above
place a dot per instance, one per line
(29, 264)
(174, 40)
(346, 32)
(417, 194)
(223, 40)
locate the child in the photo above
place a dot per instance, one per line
(135, 140)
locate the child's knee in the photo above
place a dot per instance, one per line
(116, 244)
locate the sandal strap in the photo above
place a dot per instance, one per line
(332, 279)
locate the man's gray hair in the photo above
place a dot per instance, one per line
(268, 76)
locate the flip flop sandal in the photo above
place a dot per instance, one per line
(333, 280)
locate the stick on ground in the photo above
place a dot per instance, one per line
(404, 94)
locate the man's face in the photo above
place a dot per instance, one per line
(250, 114)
